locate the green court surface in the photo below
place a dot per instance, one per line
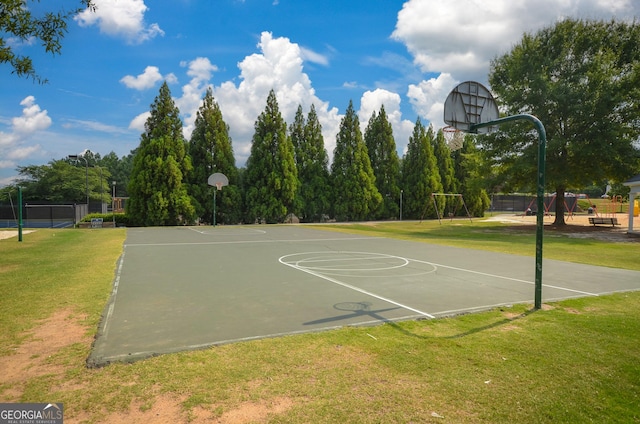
(186, 288)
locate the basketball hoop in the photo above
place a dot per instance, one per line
(469, 104)
(453, 137)
(218, 180)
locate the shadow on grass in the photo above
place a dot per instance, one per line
(469, 332)
(359, 309)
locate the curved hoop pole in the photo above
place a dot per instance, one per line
(542, 146)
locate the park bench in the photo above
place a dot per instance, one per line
(598, 220)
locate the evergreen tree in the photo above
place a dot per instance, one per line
(356, 197)
(157, 193)
(381, 147)
(420, 175)
(450, 184)
(296, 136)
(271, 178)
(312, 163)
(211, 151)
(469, 172)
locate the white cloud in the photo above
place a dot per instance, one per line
(14, 144)
(200, 70)
(278, 66)
(23, 152)
(455, 41)
(460, 38)
(121, 18)
(145, 80)
(372, 101)
(311, 56)
(427, 98)
(138, 122)
(33, 119)
(93, 126)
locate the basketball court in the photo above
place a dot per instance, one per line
(186, 288)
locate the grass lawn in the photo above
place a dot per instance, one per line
(498, 237)
(574, 361)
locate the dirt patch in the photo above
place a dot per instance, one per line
(250, 412)
(577, 226)
(11, 233)
(167, 409)
(31, 358)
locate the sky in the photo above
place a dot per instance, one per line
(405, 55)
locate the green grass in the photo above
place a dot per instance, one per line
(572, 362)
(497, 237)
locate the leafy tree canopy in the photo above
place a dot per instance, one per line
(18, 22)
(582, 80)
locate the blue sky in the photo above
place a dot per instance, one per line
(405, 55)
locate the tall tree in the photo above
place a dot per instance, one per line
(296, 136)
(420, 175)
(62, 181)
(18, 21)
(312, 163)
(446, 167)
(120, 170)
(381, 147)
(211, 151)
(271, 178)
(582, 80)
(450, 184)
(468, 166)
(356, 197)
(157, 191)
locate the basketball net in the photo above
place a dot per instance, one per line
(219, 186)
(453, 137)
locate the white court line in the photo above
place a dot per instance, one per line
(366, 257)
(148, 353)
(114, 292)
(248, 241)
(505, 278)
(228, 233)
(340, 283)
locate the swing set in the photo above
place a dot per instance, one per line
(450, 214)
(548, 207)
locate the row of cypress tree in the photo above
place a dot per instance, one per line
(288, 170)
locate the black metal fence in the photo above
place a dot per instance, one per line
(521, 203)
(39, 215)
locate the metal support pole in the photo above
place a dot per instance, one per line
(215, 189)
(86, 180)
(542, 145)
(101, 190)
(19, 214)
(113, 204)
